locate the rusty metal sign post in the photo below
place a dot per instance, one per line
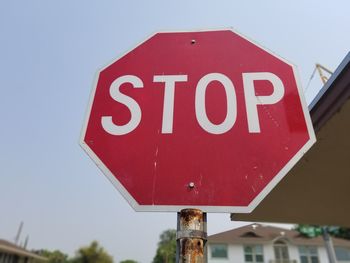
(191, 236)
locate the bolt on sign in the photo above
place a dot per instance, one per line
(204, 119)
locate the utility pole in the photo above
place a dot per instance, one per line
(19, 233)
(329, 245)
(26, 242)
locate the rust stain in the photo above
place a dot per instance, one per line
(191, 217)
(192, 250)
(192, 238)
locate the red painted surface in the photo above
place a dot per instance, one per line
(229, 169)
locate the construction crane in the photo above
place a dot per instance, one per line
(321, 70)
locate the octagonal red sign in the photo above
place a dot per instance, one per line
(205, 120)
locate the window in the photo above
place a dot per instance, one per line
(308, 254)
(218, 250)
(342, 253)
(281, 251)
(253, 254)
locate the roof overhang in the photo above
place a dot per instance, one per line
(317, 188)
(12, 249)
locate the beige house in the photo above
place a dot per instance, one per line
(11, 253)
(257, 243)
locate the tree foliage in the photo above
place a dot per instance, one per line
(128, 261)
(166, 251)
(315, 230)
(55, 256)
(343, 232)
(93, 253)
(309, 230)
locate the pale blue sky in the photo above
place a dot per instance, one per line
(49, 54)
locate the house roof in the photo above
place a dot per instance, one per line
(8, 247)
(259, 234)
(316, 189)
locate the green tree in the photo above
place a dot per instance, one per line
(341, 232)
(166, 251)
(309, 230)
(128, 261)
(93, 253)
(315, 230)
(55, 256)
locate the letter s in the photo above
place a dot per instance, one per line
(133, 106)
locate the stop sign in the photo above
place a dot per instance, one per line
(197, 119)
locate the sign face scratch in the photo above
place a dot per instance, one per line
(204, 119)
